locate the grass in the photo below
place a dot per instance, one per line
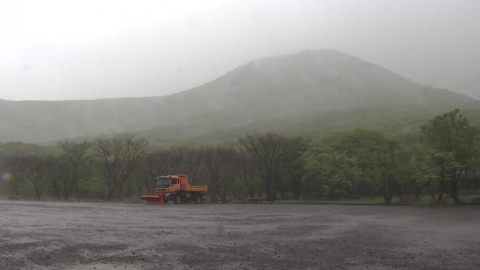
(370, 201)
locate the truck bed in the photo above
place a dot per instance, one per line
(196, 188)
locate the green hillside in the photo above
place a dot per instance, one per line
(313, 126)
(312, 93)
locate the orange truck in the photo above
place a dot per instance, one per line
(174, 188)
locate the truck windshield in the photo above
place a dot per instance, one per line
(163, 182)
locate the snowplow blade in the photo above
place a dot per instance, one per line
(152, 199)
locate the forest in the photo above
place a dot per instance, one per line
(441, 159)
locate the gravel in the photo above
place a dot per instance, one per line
(126, 236)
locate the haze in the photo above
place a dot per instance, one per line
(57, 50)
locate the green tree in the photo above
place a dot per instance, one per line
(449, 138)
(330, 172)
(421, 172)
(293, 171)
(474, 161)
(382, 161)
(272, 153)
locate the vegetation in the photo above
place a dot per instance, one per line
(442, 158)
(449, 138)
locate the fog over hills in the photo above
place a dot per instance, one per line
(270, 88)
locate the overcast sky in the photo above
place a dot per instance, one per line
(89, 49)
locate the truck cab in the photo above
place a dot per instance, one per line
(168, 184)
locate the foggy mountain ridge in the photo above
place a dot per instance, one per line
(268, 88)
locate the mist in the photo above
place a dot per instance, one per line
(54, 50)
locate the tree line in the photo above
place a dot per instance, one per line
(442, 158)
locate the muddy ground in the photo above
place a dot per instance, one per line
(109, 236)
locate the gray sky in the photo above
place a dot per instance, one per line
(53, 50)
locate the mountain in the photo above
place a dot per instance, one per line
(309, 83)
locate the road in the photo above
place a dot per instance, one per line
(129, 236)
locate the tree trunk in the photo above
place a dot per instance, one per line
(119, 193)
(67, 195)
(297, 194)
(440, 195)
(454, 191)
(418, 192)
(297, 190)
(56, 189)
(453, 187)
(119, 196)
(455, 196)
(268, 191)
(219, 193)
(442, 185)
(387, 197)
(271, 195)
(477, 179)
(140, 189)
(110, 193)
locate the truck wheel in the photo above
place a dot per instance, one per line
(198, 199)
(178, 199)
